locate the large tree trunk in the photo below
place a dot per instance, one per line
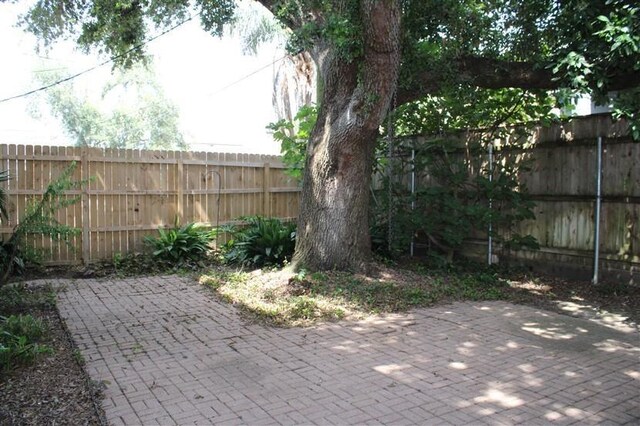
(333, 225)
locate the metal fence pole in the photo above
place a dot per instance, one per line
(490, 230)
(413, 194)
(596, 243)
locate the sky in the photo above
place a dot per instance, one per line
(193, 67)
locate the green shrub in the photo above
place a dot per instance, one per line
(264, 241)
(19, 337)
(39, 217)
(181, 245)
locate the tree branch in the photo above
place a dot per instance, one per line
(496, 74)
(292, 22)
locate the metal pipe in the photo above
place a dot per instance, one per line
(490, 230)
(390, 189)
(413, 194)
(596, 243)
(217, 201)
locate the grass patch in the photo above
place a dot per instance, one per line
(283, 298)
(263, 295)
(21, 334)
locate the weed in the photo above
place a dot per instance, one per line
(301, 307)
(19, 336)
(117, 261)
(78, 357)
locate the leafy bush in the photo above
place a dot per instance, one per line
(293, 137)
(454, 204)
(19, 337)
(39, 218)
(181, 245)
(264, 241)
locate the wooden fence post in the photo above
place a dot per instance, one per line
(84, 173)
(266, 190)
(180, 190)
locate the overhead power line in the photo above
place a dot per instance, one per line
(222, 89)
(101, 64)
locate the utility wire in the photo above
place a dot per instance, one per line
(108, 61)
(247, 76)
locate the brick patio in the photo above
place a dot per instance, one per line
(170, 353)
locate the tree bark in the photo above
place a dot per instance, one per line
(333, 224)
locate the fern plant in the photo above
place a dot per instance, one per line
(180, 245)
(263, 241)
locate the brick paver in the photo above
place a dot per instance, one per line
(169, 353)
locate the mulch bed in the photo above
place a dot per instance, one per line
(53, 390)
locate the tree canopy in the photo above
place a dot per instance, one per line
(587, 45)
(375, 55)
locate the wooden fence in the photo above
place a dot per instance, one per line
(561, 179)
(132, 193)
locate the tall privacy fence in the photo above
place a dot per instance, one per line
(132, 193)
(560, 173)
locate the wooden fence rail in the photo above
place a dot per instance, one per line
(132, 193)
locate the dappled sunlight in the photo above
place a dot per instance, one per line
(570, 412)
(499, 397)
(393, 322)
(348, 346)
(612, 346)
(458, 365)
(466, 349)
(392, 369)
(509, 346)
(554, 333)
(541, 370)
(530, 286)
(605, 318)
(633, 374)
(527, 368)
